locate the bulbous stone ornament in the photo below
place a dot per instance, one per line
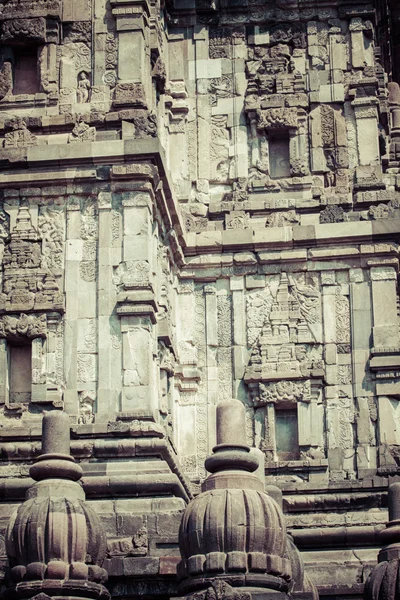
(55, 542)
(384, 580)
(233, 533)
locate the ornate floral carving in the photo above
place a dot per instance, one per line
(19, 135)
(344, 374)
(293, 33)
(219, 147)
(115, 225)
(220, 42)
(132, 274)
(129, 93)
(82, 132)
(276, 118)
(237, 220)
(258, 307)
(77, 31)
(13, 8)
(332, 214)
(283, 391)
(6, 79)
(86, 368)
(87, 270)
(23, 29)
(145, 125)
(4, 224)
(342, 312)
(282, 219)
(340, 422)
(193, 223)
(384, 211)
(221, 87)
(346, 421)
(111, 59)
(89, 226)
(79, 54)
(201, 399)
(28, 326)
(299, 167)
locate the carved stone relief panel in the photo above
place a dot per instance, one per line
(89, 233)
(23, 326)
(75, 73)
(28, 280)
(224, 352)
(340, 423)
(219, 148)
(286, 345)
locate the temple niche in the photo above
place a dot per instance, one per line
(286, 369)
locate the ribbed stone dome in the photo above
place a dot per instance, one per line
(384, 581)
(55, 542)
(45, 529)
(225, 530)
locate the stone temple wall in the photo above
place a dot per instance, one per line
(199, 201)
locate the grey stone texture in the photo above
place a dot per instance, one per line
(200, 201)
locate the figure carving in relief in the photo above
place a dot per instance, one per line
(286, 347)
(83, 89)
(219, 147)
(329, 178)
(86, 404)
(308, 297)
(51, 227)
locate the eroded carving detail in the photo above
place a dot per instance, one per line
(28, 326)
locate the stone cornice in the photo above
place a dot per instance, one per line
(143, 159)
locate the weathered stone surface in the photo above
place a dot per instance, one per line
(200, 201)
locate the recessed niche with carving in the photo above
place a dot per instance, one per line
(20, 371)
(286, 433)
(279, 154)
(25, 72)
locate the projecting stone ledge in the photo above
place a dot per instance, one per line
(285, 238)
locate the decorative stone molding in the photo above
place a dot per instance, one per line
(82, 132)
(17, 30)
(19, 135)
(277, 118)
(24, 326)
(11, 9)
(131, 94)
(6, 79)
